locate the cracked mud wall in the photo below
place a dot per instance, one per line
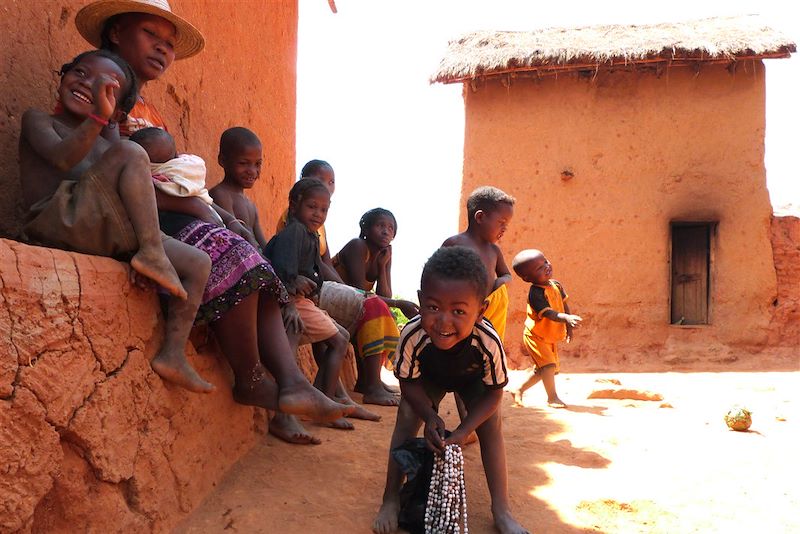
(89, 435)
(245, 76)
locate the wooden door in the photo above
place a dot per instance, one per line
(690, 272)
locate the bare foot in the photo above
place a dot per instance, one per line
(342, 424)
(288, 428)
(556, 403)
(259, 391)
(391, 389)
(381, 397)
(175, 369)
(305, 399)
(386, 520)
(506, 524)
(157, 267)
(517, 396)
(358, 411)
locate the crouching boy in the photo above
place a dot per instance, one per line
(450, 347)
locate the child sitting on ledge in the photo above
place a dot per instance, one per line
(85, 194)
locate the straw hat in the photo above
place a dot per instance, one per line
(91, 19)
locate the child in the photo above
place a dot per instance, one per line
(549, 321)
(240, 156)
(450, 347)
(365, 263)
(489, 210)
(176, 175)
(86, 194)
(294, 253)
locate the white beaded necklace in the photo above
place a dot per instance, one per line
(447, 497)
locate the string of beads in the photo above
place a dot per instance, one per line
(446, 510)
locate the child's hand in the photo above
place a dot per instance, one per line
(291, 319)
(457, 437)
(573, 321)
(434, 433)
(304, 286)
(383, 256)
(103, 95)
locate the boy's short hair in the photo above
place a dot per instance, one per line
(458, 263)
(311, 168)
(486, 198)
(130, 94)
(235, 138)
(369, 218)
(303, 187)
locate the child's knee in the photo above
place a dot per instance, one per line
(128, 151)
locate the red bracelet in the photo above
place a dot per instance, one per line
(98, 119)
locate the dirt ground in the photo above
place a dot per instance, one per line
(625, 466)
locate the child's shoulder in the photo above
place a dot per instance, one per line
(36, 118)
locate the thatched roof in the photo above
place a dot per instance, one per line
(492, 53)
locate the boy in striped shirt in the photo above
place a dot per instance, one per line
(450, 347)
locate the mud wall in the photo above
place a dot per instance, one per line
(785, 325)
(245, 76)
(600, 167)
(89, 435)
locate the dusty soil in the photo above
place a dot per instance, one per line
(603, 465)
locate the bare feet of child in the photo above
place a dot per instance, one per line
(517, 396)
(288, 428)
(556, 403)
(380, 396)
(305, 399)
(175, 369)
(358, 411)
(386, 520)
(391, 389)
(342, 424)
(157, 267)
(506, 524)
(259, 391)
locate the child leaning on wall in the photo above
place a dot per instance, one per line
(87, 194)
(549, 321)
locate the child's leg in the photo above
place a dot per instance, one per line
(296, 395)
(493, 456)
(193, 266)
(407, 426)
(532, 377)
(238, 338)
(125, 168)
(549, 380)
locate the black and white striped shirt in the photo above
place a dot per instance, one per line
(479, 356)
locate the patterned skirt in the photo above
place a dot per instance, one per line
(237, 270)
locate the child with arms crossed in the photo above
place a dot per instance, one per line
(450, 347)
(549, 321)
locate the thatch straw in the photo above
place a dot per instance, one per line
(488, 53)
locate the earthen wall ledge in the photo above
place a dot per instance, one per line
(90, 437)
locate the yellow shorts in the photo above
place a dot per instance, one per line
(317, 324)
(542, 352)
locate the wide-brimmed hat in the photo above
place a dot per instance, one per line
(91, 19)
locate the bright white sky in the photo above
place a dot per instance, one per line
(395, 141)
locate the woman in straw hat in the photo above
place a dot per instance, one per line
(149, 36)
(243, 296)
